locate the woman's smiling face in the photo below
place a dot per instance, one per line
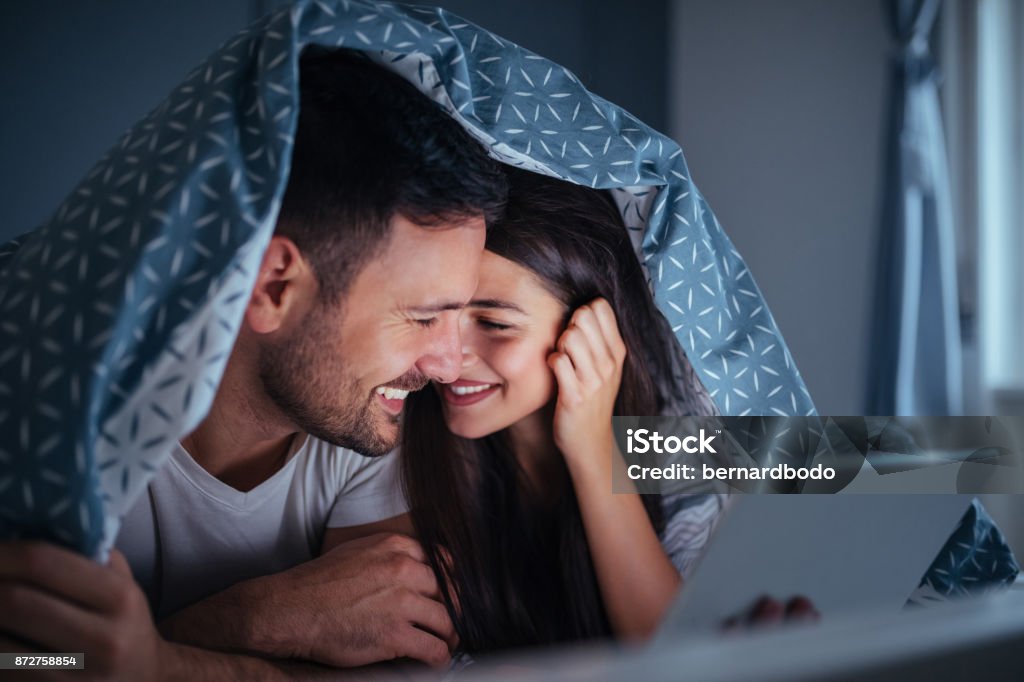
(508, 330)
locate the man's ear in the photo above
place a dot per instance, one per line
(285, 285)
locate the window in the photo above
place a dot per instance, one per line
(983, 97)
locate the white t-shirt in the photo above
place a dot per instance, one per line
(190, 535)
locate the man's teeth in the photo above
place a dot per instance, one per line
(466, 390)
(392, 393)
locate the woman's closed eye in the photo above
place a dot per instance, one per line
(492, 324)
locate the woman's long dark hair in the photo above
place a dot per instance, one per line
(520, 570)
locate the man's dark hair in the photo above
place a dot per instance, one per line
(369, 146)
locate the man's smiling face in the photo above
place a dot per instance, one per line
(343, 372)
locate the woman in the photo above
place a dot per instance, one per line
(558, 338)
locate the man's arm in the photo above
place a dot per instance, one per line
(52, 599)
(401, 524)
(364, 599)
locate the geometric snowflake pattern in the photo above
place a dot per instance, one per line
(117, 315)
(975, 560)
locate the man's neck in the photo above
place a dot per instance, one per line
(243, 441)
(242, 463)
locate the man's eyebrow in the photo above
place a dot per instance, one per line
(438, 307)
(496, 303)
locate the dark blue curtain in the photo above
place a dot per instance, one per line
(916, 351)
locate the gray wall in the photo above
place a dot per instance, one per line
(779, 107)
(75, 75)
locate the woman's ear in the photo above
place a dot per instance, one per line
(285, 284)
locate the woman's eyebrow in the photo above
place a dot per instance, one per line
(496, 303)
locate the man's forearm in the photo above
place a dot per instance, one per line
(362, 602)
(241, 618)
(199, 665)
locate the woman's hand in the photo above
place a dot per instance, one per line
(768, 611)
(587, 363)
(636, 578)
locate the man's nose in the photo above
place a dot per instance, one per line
(443, 363)
(467, 339)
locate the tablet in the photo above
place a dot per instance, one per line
(846, 553)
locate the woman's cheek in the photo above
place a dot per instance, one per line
(542, 383)
(523, 367)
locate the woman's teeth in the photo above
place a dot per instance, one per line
(466, 390)
(392, 393)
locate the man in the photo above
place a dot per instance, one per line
(265, 533)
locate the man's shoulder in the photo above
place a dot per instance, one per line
(347, 468)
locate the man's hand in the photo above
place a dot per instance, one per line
(367, 600)
(54, 600)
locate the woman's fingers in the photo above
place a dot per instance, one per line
(575, 344)
(770, 611)
(593, 342)
(767, 610)
(585, 319)
(802, 609)
(605, 317)
(568, 383)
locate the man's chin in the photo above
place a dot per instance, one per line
(379, 441)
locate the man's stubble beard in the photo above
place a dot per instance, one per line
(315, 390)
